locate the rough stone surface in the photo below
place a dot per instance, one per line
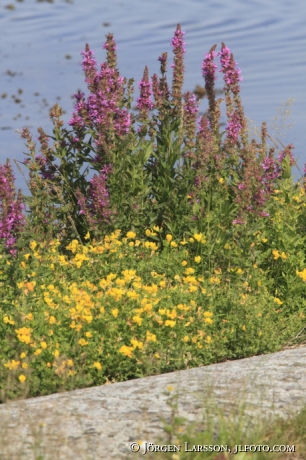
(100, 422)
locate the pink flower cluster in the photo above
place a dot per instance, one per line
(102, 109)
(12, 220)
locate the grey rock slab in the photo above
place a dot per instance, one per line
(100, 422)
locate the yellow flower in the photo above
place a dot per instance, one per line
(169, 237)
(23, 355)
(276, 254)
(173, 244)
(283, 256)
(150, 337)
(52, 320)
(43, 345)
(302, 274)
(22, 378)
(131, 234)
(126, 351)
(208, 314)
(208, 320)
(189, 271)
(221, 180)
(87, 236)
(170, 323)
(37, 352)
(12, 364)
(170, 388)
(24, 365)
(186, 338)
(277, 300)
(197, 259)
(208, 339)
(83, 342)
(156, 355)
(88, 335)
(8, 320)
(97, 365)
(264, 240)
(136, 344)
(115, 312)
(243, 327)
(33, 245)
(239, 271)
(26, 256)
(148, 232)
(184, 263)
(137, 319)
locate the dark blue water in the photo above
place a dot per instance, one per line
(41, 45)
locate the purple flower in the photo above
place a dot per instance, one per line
(234, 127)
(144, 101)
(209, 67)
(238, 221)
(177, 41)
(241, 186)
(12, 221)
(231, 73)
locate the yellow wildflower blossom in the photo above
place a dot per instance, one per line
(150, 337)
(83, 342)
(170, 323)
(302, 274)
(137, 319)
(33, 245)
(8, 320)
(131, 235)
(97, 365)
(277, 301)
(22, 378)
(136, 344)
(115, 312)
(126, 351)
(12, 364)
(169, 237)
(275, 254)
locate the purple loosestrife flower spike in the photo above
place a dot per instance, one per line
(111, 48)
(233, 127)
(231, 73)
(190, 112)
(89, 65)
(103, 111)
(12, 221)
(96, 208)
(178, 67)
(144, 103)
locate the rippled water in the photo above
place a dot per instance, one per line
(41, 45)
